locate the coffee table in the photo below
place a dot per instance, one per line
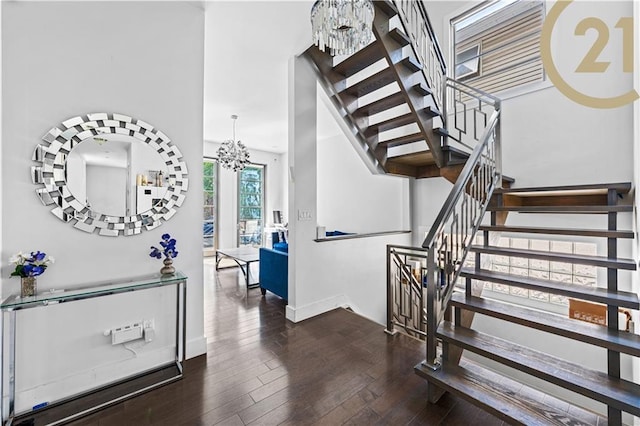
(244, 257)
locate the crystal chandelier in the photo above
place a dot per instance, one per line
(344, 26)
(233, 155)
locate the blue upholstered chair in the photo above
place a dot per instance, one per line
(274, 268)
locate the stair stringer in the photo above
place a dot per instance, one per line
(341, 114)
(406, 80)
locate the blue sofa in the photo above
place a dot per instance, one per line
(274, 270)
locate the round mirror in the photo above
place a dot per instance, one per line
(111, 173)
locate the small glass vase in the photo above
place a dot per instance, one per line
(168, 268)
(28, 286)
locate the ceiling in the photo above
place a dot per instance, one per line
(248, 45)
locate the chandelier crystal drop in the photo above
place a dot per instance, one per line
(233, 155)
(343, 26)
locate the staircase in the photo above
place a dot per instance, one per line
(409, 119)
(456, 333)
(394, 106)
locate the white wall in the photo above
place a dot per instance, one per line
(349, 197)
(324, 275)
(62, 59)
(275, 192)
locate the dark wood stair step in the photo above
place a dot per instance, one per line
(487, 390)
(380, 105)
(559, 231)
(362, 59)
(601, 209)
(372, 83)
(617, 393)
(411, 63)
(618, 263)
(594, 334)
(403, 140)
(422, 89)
(621, 188)
(387, 7)
(454, 156)
(400, 36)
(392, 123)
(593, 294)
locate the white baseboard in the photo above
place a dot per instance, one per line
(196, 347)
(297, 314)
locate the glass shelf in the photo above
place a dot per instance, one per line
(47, 297)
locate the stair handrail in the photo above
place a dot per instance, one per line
(427, 48)
(454, 228)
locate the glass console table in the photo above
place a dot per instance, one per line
(113, 392)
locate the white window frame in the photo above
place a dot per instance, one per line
(513, 92)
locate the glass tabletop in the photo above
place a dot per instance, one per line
(92, 290)
(243, 254)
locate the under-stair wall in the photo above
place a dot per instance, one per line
(323, 275)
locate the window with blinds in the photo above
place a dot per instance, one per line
(496, 45)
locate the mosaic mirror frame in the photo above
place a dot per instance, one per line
(50, 174)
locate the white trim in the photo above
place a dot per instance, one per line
(196, 347)
(316, 308)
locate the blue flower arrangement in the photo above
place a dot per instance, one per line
(32, 265)
(168, 248)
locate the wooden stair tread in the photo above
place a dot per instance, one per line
(391, 123)
(615, 392)
(415, 158)
(387, 7)
(562, 209)
(480, 389)
(403, 140)
(620, 187)
(400, 36)
(363, 58)
(618, 263)
(559, 231)
(411, 63)
(594, 334)
(372, 83)
(422, 88)
(594, 294)
(380, 105)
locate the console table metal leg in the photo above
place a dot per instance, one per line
(184, 321)
(12, 367)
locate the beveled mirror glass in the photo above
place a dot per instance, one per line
(110, 173)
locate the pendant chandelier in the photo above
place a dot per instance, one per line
(233, 155)
(344, 26)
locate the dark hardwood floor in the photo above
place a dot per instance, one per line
(337, 368)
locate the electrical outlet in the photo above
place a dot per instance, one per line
(304, 215)
(149, 330)
(126, 333)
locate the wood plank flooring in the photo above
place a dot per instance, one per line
(260, 369)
